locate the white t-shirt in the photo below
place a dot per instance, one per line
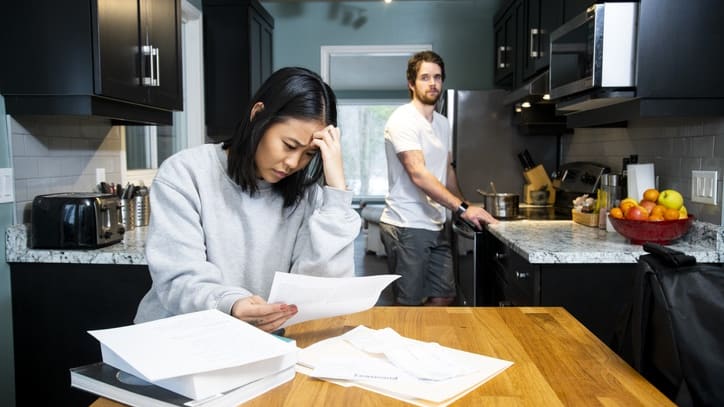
(406, 204)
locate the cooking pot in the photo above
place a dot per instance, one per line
(500, 205)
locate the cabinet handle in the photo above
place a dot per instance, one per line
(501, 63)
(533, 33)
(152, 54)
(521, 275)
(157, 81)
(500, 256)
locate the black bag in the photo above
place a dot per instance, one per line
(674, 335)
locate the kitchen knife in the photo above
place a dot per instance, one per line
(523, 162)
(528, 159)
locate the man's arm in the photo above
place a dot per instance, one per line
(414, 163)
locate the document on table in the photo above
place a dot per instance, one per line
(425, 374)
(322, 297)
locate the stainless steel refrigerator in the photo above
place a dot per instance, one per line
(485, 148)
(486, 145)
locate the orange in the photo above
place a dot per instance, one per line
(651, 194)
(658, 210)
(656, 218)
(671, 214)
(626, 205)
(616, 213)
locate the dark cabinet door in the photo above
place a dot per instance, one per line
(504, 33)
(572, 8)
(237, 60)
(138, 52)
(541, 17)
(117, 61)
(161, 29)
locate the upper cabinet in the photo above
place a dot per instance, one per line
(111, 58)
(237, 60)
(521, 31)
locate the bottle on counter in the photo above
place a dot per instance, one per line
(602, 201)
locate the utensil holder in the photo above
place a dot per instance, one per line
(128, 213)
(142, 209)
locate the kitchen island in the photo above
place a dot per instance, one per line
(587, 270)
(565, 242)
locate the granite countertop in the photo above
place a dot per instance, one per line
(564, 241)
(540, 242)
(129, 251)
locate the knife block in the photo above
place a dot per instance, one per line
(536, 179)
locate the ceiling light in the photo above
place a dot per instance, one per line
(525, 104)
(388, 1)
(547, 97)
(518, 109)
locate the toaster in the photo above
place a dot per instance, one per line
(75, 220)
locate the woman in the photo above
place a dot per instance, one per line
(227, 216)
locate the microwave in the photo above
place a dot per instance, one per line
(593, 58)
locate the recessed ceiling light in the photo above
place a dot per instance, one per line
(525, 104)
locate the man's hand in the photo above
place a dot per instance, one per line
(478, 216)
(267, 317)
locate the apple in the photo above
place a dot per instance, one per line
(671, 199)
(649, 205)
(637, 213)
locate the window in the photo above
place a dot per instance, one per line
(146, 147)
(370, 84)
(362, 123)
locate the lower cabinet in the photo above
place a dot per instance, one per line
(595, 294)
(54, 305)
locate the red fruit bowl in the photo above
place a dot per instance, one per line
(642, 231)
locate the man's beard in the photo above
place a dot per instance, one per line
(427, 100)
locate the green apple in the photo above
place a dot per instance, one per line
(671, 199)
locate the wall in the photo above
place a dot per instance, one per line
(675, 146)
(61, 154)
(7, 381)
(461, 31)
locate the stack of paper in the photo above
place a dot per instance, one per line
(197, 355)
(382, 361)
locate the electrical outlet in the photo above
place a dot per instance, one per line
(703, 187)
(100, 175)
(7, 186)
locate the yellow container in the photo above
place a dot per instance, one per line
(587, 219)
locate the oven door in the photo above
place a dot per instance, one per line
(467, 249)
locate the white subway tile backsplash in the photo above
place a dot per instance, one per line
(25, 167)
(676, 146)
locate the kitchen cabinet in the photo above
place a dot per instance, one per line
(521, 30)
(238, 48)
(111, 58)
(596, 294)
(540, 17)
(504, 32)
(54, 305)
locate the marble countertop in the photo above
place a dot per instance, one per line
(564, 241)
(129, 251)
(540, 242)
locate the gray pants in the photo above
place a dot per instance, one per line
(423, 259)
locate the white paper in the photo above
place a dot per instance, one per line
(190, 343)
(328, 359)
(322, 297)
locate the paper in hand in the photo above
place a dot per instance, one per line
(323, 297)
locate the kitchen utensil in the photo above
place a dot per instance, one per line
(492, 187)
(501, 205)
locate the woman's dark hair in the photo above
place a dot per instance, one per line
(289, 93)
(413, 65)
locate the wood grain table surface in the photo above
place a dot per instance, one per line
(557, 361)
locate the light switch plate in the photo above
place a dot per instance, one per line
(703, 187)
(7, 186)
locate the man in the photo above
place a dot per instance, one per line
(422, 185)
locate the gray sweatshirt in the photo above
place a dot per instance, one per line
(210, 244)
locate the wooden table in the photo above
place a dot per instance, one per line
(557, 360)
